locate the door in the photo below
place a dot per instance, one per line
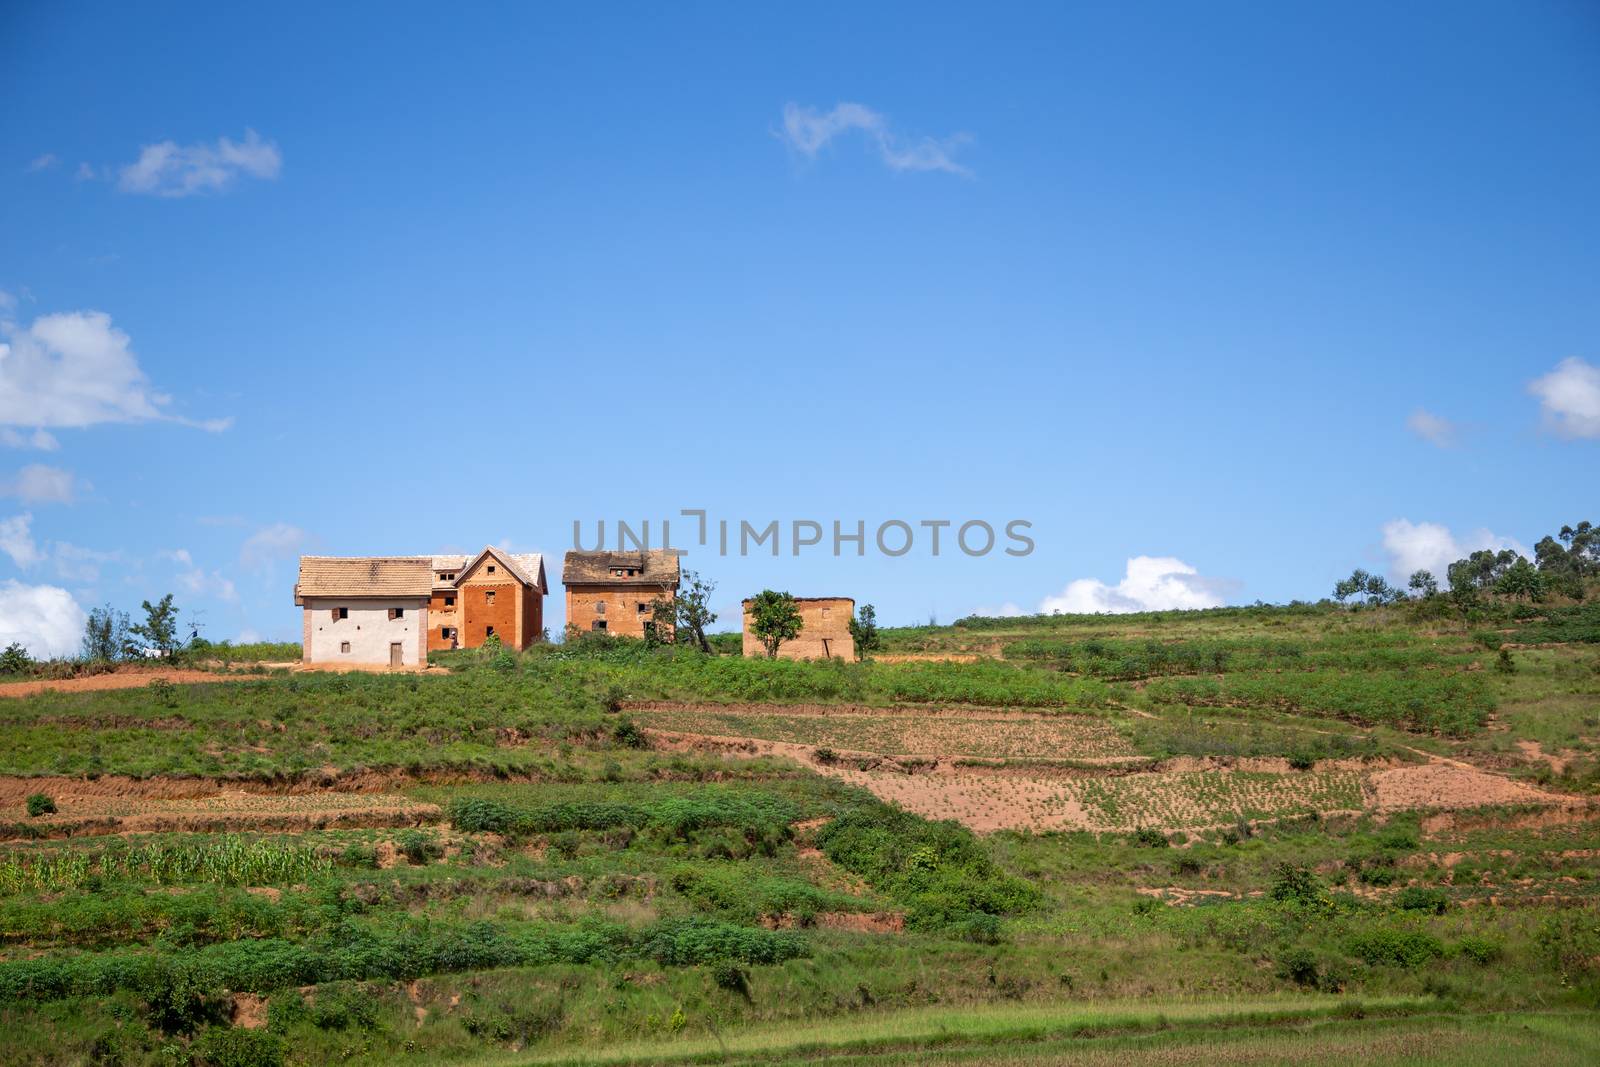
(396, 655)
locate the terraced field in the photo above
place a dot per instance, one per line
(606, 853)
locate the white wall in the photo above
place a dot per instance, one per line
(369, 630)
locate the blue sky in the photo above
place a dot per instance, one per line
(1245, 294)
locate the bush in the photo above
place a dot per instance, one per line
(1480, 950)
(1298, 965)
(1302, 761)
(1419, 898)
(1292, 884)
(418, 848)
(1148, 837)
(1396, 948)
(236, 1047)
(938, 870)
(628, 735)
(15, 659)
(40, 804)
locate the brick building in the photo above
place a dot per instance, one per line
(612, 592)
(824, 630)
(394, 610)
(493, 594)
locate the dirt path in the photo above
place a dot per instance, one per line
(122, 679)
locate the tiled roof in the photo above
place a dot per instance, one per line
(656, 568)
(449, 563)
(526, 567)
(358, 576)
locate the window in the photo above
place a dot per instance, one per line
(446, 633)
(341, 613)
(396, 613)
(600, 607)
(826, 612)
(643, 607)
(488, 632)
(598, 624)
(491, 568)
(449, 601)
(631, 572)
(344, 646)
(488, 596)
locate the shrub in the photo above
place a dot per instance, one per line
(15, 659)
(732, 977)
(1298, 965)
(40, 804)
(1149, 837)
(236, 1047)
(1478, 949)
(1423, 899)
(628, 735)
(1302, 761)
(1396, 948)
(1293, 884)
(418, 848)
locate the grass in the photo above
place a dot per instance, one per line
(585, 899)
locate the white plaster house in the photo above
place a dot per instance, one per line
(368, 610)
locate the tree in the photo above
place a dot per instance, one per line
(693, 603)
(159, 631)
(15, 659)
(1372, 586)
(105, 636)
(1521, 579)
(1356, 583)
(1424, 584)
(864, 631)
(774, 619)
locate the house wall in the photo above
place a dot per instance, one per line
(368, 628)
(441, 615)
(622, 614)
(824, 631)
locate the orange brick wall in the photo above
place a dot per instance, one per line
(824, 633)
(532, 616)
(622, 614)
(439, 617)
(477, 614)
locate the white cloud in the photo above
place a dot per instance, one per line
(172, 170)
(75, 369)
(1569, 396)
(1434, 429)
(1430, 546)
(808, 131)
(44, 162)
(45, 619)
(39, 484)
(176, 555)
(1152, 583)
(278, 541)
(16, 540)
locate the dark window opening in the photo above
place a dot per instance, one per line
(598, 624)
(449, 601)
(488, 632)
(341, 613)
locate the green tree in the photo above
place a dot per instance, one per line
(1424, 584)
(864, 631)
(774, 619)
(159, 631)
(693, 608)
(106, 636)
(15, 659)
(1521, 579)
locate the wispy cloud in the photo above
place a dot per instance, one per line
(172, 170)
(1434, 429)
(808, 131)
(1569, 396)
(40, 440)
(278, 541)
(16, 540)
(39, 484)
(44, 162)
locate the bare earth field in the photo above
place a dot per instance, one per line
(1006, 770)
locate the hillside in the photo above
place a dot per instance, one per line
(1282, 833)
